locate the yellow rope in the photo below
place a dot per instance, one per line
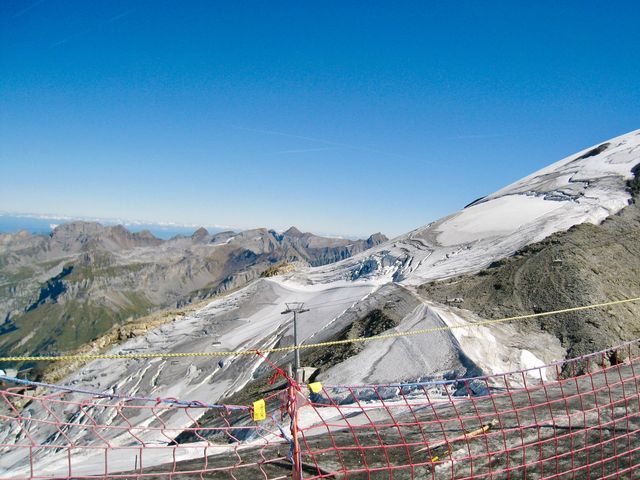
(289, 348)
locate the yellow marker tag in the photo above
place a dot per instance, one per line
(259, 410)
(315, 387)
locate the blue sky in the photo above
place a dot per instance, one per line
(336, 117)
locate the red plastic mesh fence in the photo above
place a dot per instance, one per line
(68, 434)
(577, 419)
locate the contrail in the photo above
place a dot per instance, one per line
(25, 10)
(477, 135)
(331, 143)
(121, 15)
(290, 135)
(301, 150)
(92, 29)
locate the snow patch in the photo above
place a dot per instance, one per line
(532, 363)
(500, 217)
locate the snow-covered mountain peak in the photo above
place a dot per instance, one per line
(585, 187)
(595, 169)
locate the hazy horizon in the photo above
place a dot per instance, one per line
(11, 222)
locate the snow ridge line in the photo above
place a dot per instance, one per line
(307, 346)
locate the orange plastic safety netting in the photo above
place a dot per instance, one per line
(575, 419)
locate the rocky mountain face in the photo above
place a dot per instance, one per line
(57, 292)
(587, 264)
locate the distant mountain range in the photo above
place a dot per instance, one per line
(44, 224)
(59, 291)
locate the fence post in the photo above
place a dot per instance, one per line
(296, 460)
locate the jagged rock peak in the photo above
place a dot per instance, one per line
(146, 234)
(293, 232)
(376, 239)
(200, 234)
(118, 232)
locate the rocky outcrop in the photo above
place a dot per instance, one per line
(200, 235)
(76, 236)
(376, 239)
(53, 289)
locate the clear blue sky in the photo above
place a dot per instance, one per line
(336, 117)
